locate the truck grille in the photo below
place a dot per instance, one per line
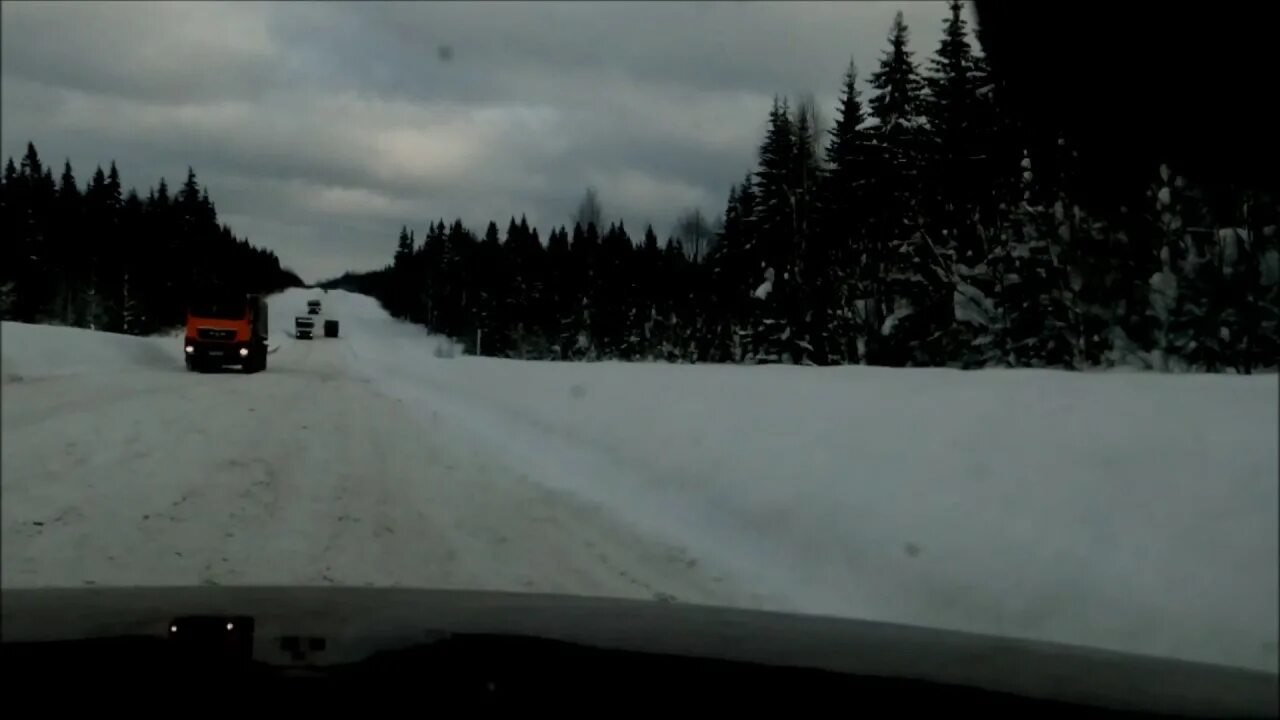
(215, 334)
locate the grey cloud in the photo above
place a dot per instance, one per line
(189, 51)
(320, 128)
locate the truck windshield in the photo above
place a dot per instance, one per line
(219, 308)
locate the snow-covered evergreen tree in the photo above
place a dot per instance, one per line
(774, 223)
(1258, 347)
(1036, 282)
(911, 272)
(953, 110)
(1191, 326)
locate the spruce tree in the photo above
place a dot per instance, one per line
(559, 291)
(71, 247)
(12, 205)
(1258, 345)
(1040, 328)
(898, 101)
(910, 273)
(772, 335)
(493, 287)
(843, 207)
(952, 109)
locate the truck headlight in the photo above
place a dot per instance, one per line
(244, 352)
(190, 349)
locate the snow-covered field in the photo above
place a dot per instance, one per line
(1128, 511)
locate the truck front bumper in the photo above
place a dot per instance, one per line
(209, 352)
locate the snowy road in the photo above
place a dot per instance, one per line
(1128, 511)
(301, 475)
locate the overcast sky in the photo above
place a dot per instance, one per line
(321, 128)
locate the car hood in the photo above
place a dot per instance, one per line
(357, 622)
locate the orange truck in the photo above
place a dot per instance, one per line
(226, 329)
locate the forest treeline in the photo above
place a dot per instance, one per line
(927, 226)
(98, 256)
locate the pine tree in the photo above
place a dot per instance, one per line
(12, 205)
(491, 234)
(772, 337)
(650, 293)
(69, 247)
(493, 288)
(810, 297)
(525, 289)
(1257, 345)
(575, 340)
(843, 205)
(735, 260)
(1193, 325)
(953, 111)
(1040, 330)
(32, 166)
(31, 253)
(673, 327)
(114, 196)
(162, 200)
(109, 269)
(429, 285)
(559, 292)
(402, 272)
(133, 315)
(910, 274)
(612, 292)
(455, 315)
(898, 102)
(404, 249)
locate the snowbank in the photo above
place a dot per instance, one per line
(31, 352)
(1120, 510)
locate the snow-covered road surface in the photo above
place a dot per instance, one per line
(1134, 512)
(303, 475)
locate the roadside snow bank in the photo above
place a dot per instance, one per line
(1131, 511)
(29, 352)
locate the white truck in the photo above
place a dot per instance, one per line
(304, 327)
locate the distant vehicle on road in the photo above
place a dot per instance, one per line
(331, 328)
(226, 328)
(313, 307)
(304, 327)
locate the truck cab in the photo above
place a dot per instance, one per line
(226, 329)
(304, 327)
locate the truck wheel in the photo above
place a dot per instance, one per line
(191, 364)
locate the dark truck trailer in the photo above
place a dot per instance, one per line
(226, 329)
(331, 328)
